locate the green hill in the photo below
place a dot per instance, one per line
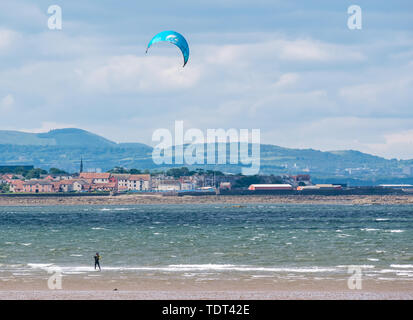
(76, 137)
(63, 148)
(58, 137)
(24, 138)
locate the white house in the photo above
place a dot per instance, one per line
(169, 185)
(139, 182)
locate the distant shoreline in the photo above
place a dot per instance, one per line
(131, 199)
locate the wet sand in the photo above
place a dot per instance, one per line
(191, 290)
(198, 295)
(214, 290)
(131, 199)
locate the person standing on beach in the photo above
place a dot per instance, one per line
(97, 258)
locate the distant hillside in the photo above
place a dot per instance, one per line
(76, 137)
(23, 138)
(63, 149)
(58, 137)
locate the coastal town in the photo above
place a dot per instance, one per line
(175, 181)
(119, 180)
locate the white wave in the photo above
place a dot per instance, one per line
(394, 271)
(21, 274)
(343, 235)
(395, 231)
(401, 266)
(367, 266)
(39, 265)
(363, 266)
(242, 268)
(193, 267)
(382, 219)
(74, 272)
(46, 267)
(369, 229)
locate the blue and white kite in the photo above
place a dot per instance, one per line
(175, 38)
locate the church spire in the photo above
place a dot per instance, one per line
(81, 165)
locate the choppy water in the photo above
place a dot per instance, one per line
(290, 241)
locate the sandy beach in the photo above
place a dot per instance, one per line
(187, 290)
(131, 199)
(201, 295)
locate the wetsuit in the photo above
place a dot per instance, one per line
(97, 257)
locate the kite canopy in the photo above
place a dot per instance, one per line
(175, 38)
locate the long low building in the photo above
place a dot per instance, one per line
(320, 187)
(256, 187)
(397, 186)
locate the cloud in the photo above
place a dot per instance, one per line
(384, 137)
(312, 50)
(6, 103)
(140, 74)
(387, 95)
(396, 143)
(377, 91)
(274, 70)
(300, 50)
(286, 80)
(7, 38)
(23, 14)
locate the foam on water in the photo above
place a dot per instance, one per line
(188, 267)
(408, 266)
(271, 240)
(39, 265)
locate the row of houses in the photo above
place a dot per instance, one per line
(112, 182)
(84, 182)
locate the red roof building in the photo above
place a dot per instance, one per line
(95, 177)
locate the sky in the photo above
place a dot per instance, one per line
(292, 69)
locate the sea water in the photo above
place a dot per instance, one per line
(210, 241)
